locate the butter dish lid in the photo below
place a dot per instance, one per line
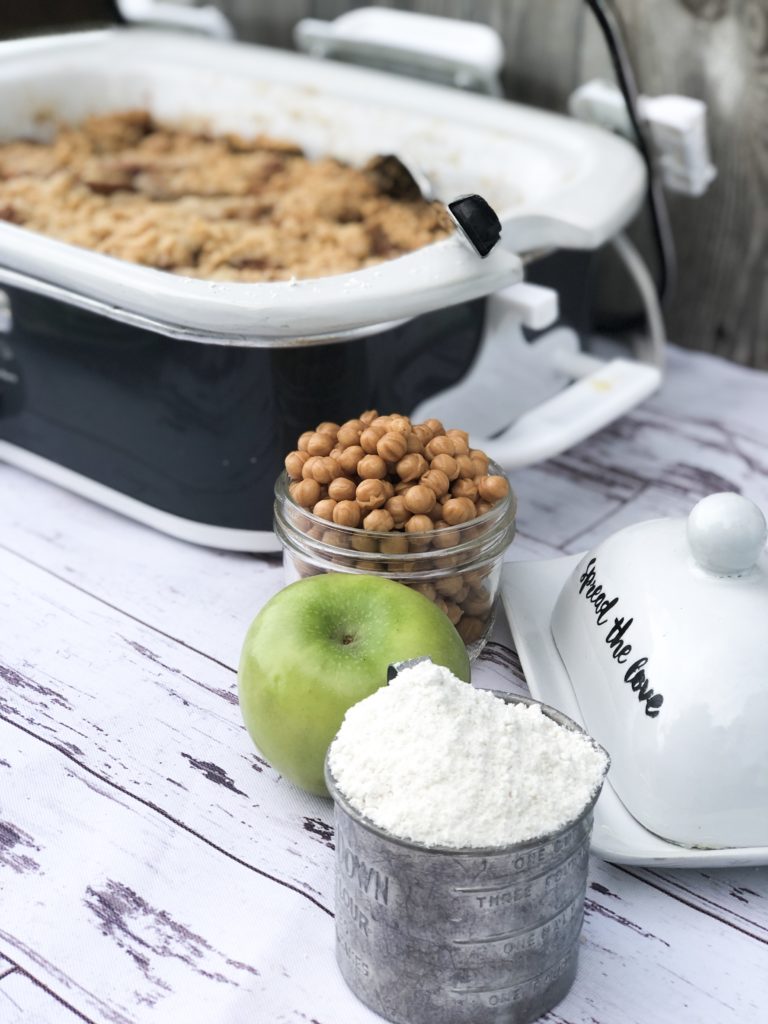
(663, 630)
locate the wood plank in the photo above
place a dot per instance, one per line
(154, 924)
(657, 461)
(202, 597)
(738, 896)
(25, 1001)
(648, 961)
(147, 714)
(716, 52)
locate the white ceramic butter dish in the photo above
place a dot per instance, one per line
(662, 642)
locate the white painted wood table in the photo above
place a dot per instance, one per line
(153, 867)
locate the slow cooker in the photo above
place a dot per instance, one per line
(174, 400)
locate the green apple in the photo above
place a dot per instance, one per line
(321, 645)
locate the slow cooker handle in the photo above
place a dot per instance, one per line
(526, 401)
(574, 414)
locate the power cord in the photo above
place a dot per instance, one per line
(606, 18)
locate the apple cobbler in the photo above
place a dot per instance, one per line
(223, 208)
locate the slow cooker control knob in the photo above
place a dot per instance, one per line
(726, 533)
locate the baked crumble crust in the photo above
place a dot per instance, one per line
(222, 208)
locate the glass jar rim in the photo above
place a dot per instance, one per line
(496, 530)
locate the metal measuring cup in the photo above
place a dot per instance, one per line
(439, 935)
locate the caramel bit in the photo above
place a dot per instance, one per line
(396, 508)
(420, 499)
(324, 468)
(460, 440)
(370, 494)
(392, 446)
(372, 467)
(418, 524)
(222, 208)
(439, 445)
(466, 467)
(464, 489)
(379, 520)
(397, 544)
(446, 464)
(458, 510)
(411, 467)
(324, 508)
(306, 493)
(349, 432)
(319, 444)
(492, 488)
(369, 438)
(341, 488)
(437, 481)
(349, 459)
(294, 462)
(347, 513)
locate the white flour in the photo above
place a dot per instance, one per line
(430, 759)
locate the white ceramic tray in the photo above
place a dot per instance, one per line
(529, 591)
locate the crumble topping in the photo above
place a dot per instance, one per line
(222, 208)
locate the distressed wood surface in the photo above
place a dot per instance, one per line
(154, 868)
(25, 1001)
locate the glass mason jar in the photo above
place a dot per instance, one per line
(457, 567)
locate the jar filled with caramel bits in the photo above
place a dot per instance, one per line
(410, 501)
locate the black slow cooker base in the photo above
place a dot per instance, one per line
(199, 430)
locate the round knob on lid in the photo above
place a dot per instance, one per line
(726, 533)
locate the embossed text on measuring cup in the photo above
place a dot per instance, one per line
(368, 879)
(508, 994)
(553, 935)
(497, 895)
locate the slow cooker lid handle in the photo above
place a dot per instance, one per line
(477, 223)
